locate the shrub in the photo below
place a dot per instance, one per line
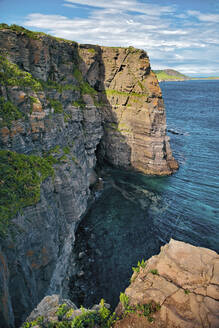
(8, 112)
(57, 105)
(12, 75)
(20, 179)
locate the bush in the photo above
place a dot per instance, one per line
(20, 179)
(8, 112)
(12, 75)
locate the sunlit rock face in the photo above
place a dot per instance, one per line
(184, 281)
(80, 104)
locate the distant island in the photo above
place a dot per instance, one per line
(173, 75)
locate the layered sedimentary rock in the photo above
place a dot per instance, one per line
(184, 281)
(70, 105)
(132, 109)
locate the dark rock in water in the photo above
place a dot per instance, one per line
(72, 105)
(174, 132)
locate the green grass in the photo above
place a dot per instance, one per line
(20, 29)
(12, 75)
(162, 75)
(146, 310)
(112, 92)
(32, 34)
(124, 299)
(141, 264)
(154, 271)
(51, 85)
(78, 75)
(79, 103)
(87, 89)
(91, 50)
(8, 112)
(57, 105)
(20, 179)
(66, 150)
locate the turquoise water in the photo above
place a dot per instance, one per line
(136, 214)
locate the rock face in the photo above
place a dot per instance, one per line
(184, 280)
(78, 104)
(132, 109)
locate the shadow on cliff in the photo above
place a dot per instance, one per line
(113, 148)
(103, 248)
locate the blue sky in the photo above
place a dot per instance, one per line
(178, 34)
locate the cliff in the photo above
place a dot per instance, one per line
(64, 107)
(179, 288)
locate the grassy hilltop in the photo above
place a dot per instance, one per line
(170, 75)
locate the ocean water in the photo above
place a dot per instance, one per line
(136, 214)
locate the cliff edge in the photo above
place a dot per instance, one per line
(181, 284)
(64, 107)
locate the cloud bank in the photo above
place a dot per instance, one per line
(187, 41)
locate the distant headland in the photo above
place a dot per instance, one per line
(173, 75)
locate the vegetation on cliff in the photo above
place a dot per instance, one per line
(8, 112)
(12, 75)
(68, 317)
(30, 34)
(20, 179)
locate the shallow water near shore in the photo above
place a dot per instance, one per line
(135, 214)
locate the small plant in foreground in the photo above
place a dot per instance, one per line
(124, 299)
(154, 271)
(186, 291)
(141, 264)
(62, 310)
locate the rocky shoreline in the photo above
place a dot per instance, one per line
(179, 288)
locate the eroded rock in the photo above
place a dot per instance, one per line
(183, 281)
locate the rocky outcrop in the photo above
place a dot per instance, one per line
(132, 109)
(57, 311)
(71, 105)
(184, 281)
(179, 288)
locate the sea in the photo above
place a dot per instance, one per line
(134, 215)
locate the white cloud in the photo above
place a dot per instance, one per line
(126, 5)
(70, 5)
(204, 17)
(173, 32)
(167, 39)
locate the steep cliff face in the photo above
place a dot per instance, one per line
(132, 109)
(64, 106)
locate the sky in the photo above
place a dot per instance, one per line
(177, 34)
